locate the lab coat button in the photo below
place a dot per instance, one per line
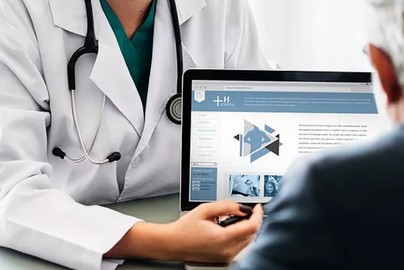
(136, 162)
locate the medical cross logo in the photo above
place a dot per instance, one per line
(257, 143)
(223, 102)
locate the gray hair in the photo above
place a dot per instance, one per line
(386, 30)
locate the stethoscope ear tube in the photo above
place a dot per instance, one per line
(174, 105)
(90, 46)
(71, 67)
(58, 152)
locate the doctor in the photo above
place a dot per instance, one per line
(48, 205)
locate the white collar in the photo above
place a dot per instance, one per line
(71, 15)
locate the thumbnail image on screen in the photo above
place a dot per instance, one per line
(244, 185)
(272, 185)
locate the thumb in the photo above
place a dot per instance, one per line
(223, 208)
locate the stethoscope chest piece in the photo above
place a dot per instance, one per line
(174, 109)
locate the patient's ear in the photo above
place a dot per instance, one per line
(385, 68)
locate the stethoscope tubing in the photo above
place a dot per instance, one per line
(173, 109)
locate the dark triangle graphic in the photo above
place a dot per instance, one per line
(279, 139)
(237, 137)
(274, 147)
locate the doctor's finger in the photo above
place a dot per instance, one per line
(258, 215)
(223, 208)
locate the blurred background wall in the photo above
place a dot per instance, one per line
(312, 34)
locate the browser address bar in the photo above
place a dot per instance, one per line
(290, 89)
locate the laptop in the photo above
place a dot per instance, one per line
(242, 129)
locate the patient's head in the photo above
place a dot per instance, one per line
(270, 186)
(249, 183)
(386, 50)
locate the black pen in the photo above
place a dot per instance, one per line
(232, 220)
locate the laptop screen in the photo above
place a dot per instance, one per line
(245, 135)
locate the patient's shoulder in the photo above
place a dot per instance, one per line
(388, 148)
(353, 173)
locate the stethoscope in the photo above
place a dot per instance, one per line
(174, 105)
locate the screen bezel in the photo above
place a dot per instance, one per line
(242, 75)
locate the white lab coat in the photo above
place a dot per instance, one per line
(47, 205)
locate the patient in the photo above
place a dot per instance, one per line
(344, 209)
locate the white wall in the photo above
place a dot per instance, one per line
(312, 34)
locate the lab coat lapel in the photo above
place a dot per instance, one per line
(71, 16)
(112, 76)
(110, 73)
(188, 8)
(163, 75)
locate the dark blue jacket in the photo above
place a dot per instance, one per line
(341, 209)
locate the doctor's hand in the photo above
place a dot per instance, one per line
(198, 237)
(195, 237)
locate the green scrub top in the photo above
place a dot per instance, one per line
(137, 51)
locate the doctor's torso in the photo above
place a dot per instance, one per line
(51, 30)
